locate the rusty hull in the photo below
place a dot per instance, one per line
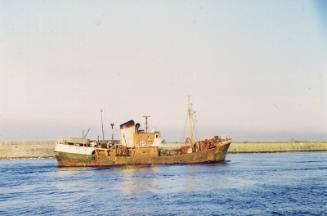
(207, 151)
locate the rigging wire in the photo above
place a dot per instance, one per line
(184, 132)
(196, 132)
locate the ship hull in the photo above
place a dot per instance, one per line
(212, 155)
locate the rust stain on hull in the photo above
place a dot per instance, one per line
(208, 151)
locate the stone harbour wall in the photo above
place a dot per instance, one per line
(266, 147)
(43, 149)
(26, 149)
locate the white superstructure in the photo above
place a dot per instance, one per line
(75, 146)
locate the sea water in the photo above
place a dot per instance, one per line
(247, 184)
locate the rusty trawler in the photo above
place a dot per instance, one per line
(139, 147)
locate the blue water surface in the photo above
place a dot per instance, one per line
(247, 184)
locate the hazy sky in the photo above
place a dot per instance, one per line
(256, 70)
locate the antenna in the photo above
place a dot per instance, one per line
(146, 122)
(101, 111)
(112, 128)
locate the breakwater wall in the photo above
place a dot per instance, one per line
(26, 149)
(266, 147)
(41, 149)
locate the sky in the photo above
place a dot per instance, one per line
(255, 70)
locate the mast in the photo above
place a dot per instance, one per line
(190, 115)
(102, 124)
(146, 122)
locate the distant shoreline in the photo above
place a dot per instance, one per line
(45, 149)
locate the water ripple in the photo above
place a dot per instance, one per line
(247, 184)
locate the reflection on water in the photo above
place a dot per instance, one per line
(248, 184)
(136, 178)
(63, 171)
